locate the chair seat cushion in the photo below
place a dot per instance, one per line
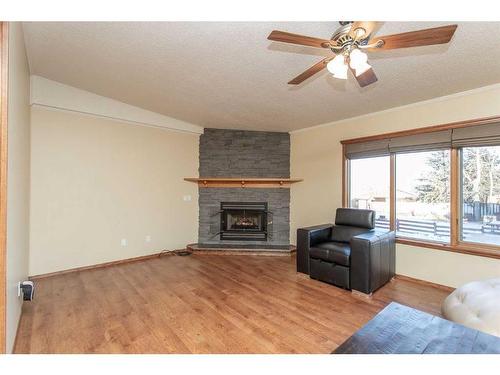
(475, 305)
(335, 252)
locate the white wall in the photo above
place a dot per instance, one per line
(96, 181)
(316, 156)
(55, 95)
(18, 176)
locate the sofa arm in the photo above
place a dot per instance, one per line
(373, 260)
(308, 237)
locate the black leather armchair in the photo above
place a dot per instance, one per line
(351, 254)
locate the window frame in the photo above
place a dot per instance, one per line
(4, 69)
(456, 244)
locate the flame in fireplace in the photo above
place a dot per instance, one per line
(245, 222)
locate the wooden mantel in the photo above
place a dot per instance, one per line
(231, 182)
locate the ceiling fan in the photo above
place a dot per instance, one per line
(350, 40)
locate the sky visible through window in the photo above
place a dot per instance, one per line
(370, 177)
(370, 187)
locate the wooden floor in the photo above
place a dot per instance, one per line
(202, 304)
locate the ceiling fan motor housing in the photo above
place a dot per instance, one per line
(341, 31)
(345, 40)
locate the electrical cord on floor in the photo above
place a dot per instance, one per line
(183, 252)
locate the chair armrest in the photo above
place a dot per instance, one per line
(308, 237)
(373, 260)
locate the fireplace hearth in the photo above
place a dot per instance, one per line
(244, 221)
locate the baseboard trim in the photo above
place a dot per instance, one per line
(424, 282)
(101, 265)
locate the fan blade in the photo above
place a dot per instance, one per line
(366, 78)
(366, 27)
(426, 37)
(319, 66)
(282, 36)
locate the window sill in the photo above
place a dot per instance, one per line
(463, 248)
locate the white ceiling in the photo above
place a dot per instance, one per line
(228, 75)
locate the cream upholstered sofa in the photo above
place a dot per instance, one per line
(475, 305)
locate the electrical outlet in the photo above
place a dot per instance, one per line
(186, 198)
(148, 238)
(124, 242)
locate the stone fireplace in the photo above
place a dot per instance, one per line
(245, 216)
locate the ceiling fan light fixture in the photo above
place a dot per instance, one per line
(358, 61)
(350, 40)
(338, 67)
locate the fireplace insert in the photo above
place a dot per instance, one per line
(243, 221)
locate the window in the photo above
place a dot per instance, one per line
(437, 187)
(370, 187)
(423, 195)
(480, 194)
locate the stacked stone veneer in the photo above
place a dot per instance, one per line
(237, 153)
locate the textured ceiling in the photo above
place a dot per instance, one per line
(228, 75)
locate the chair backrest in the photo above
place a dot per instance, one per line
(355, 218)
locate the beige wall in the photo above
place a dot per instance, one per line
(316, 156)
(18, 175)
(97, 181)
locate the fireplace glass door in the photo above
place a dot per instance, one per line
(244, 221)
